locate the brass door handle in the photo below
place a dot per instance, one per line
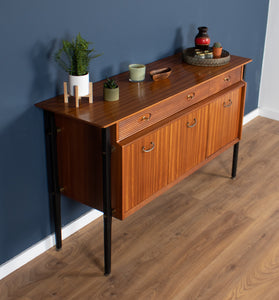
(229, 103)
(227, 78)
(190, 96)
(150, 149)
(193, 125)
(146, 117)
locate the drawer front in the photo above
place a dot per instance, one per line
(225, 80)
(162, 110)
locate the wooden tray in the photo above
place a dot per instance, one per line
(190, 58)
(160, 74)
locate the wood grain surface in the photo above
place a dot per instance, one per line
(207, 238)
(79, 153)
(135, 97)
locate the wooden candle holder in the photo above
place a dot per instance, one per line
(77, 97)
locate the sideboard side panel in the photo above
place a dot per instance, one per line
(80, 161)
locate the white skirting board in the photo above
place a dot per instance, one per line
(42, 246)
(269, 113)
(250, 116)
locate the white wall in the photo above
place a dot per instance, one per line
(269, 89)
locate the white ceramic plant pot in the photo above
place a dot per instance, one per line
(82, 82)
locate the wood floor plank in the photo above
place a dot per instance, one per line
(225, 278)
(208, 237)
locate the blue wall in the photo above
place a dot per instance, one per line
(125, 31)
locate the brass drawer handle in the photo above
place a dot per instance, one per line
(229, 103)
(150, 149)
(146, 117)
(190, 96)
(193, 125)
(227, 78)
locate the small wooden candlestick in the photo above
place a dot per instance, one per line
(77, 97)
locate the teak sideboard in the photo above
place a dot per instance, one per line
(118, 156)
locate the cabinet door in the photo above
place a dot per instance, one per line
(145, 167)
(188, 142)
(224, 120)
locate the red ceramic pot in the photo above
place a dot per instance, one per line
(202, 39)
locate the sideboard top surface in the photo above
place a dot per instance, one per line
(135, 97)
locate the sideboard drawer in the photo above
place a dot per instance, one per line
(193, 95)
(162, 110)
(225, 80)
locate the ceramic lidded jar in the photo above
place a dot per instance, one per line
(202, 39)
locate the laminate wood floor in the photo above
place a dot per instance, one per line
(209, 237)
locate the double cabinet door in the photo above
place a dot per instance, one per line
(154, 160)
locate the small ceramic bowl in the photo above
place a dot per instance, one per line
(160, 74)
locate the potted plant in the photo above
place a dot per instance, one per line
(217, 50)
(74, 57)
(111, 90)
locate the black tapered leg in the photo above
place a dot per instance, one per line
(235, 158)
(106, 150)
(52, 172)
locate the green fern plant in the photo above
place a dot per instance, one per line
(77, 55)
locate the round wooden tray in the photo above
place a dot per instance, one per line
(190, 58)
